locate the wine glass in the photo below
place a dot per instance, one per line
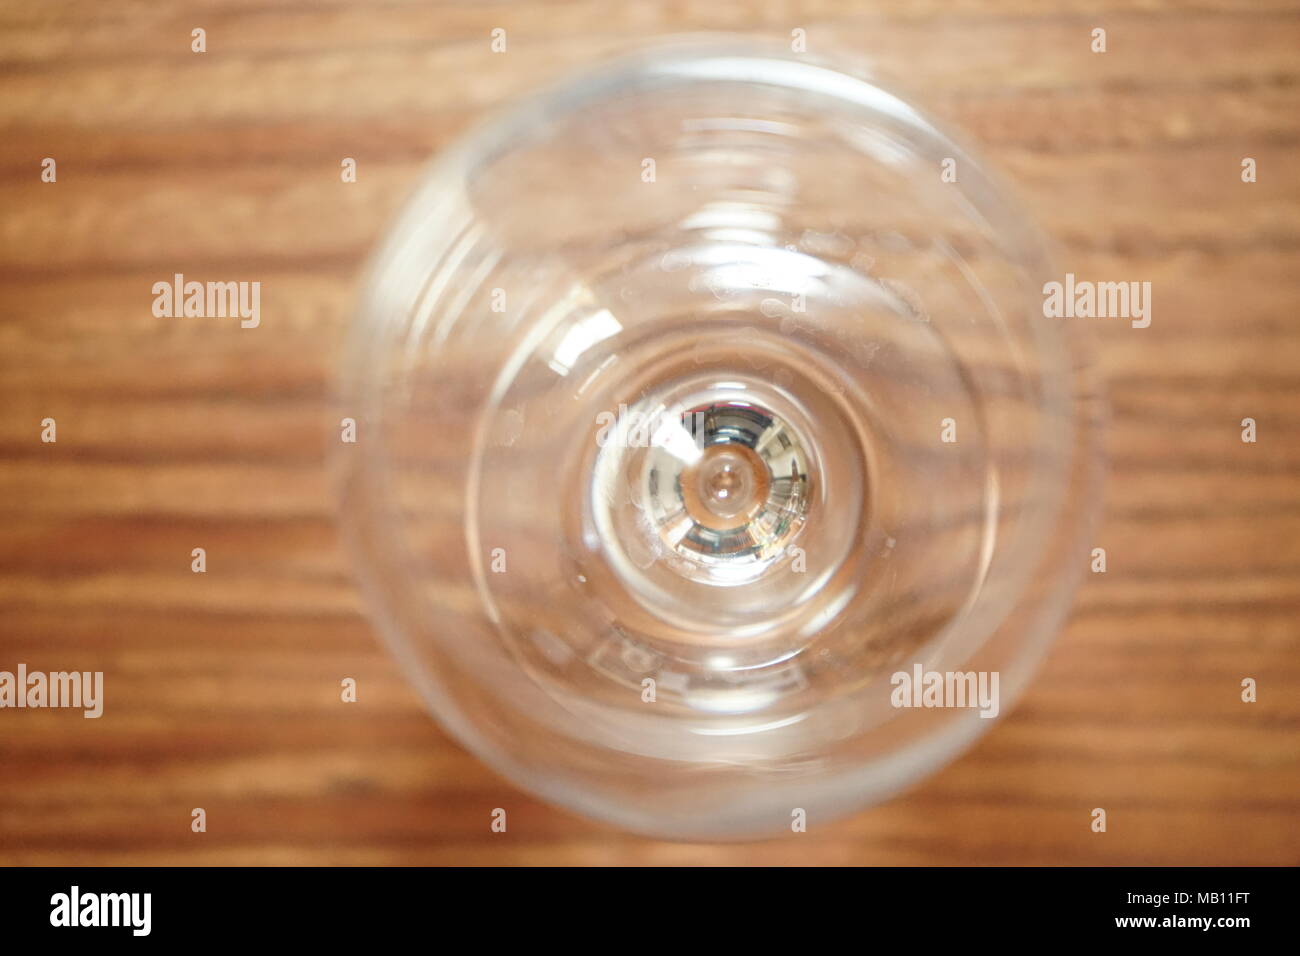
(698, 398)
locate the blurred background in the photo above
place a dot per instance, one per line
(222, 689)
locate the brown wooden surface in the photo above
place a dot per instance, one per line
(223, 688)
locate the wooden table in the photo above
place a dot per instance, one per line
(224, 686)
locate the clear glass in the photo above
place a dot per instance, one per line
(695, 400)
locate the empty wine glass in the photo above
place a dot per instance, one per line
(698, 397)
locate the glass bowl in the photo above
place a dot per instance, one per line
(706, 408)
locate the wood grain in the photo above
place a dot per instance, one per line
(172, 435)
